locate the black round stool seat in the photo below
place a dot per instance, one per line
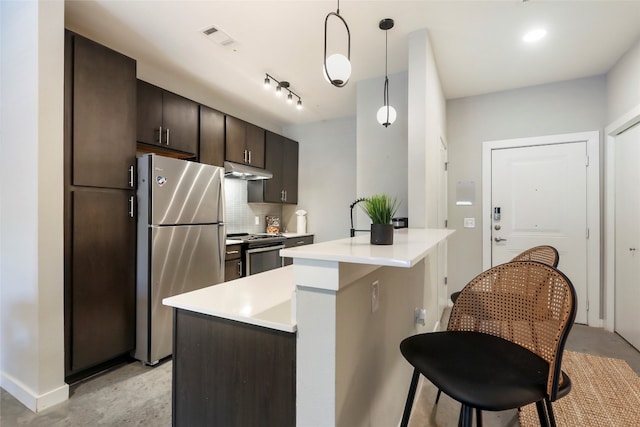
(501, 376)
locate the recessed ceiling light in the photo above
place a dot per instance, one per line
(534, 35)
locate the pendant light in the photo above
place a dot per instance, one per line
(337, 67)
(386, 114)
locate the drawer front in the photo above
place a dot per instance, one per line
(233, 252)
(232, 269)
(292, 242)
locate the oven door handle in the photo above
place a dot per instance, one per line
(264, 249)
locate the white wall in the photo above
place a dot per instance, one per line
(564, 107)
(381, 157)
(31, 185)
(327, 177)
(623, 84)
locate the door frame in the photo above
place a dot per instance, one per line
(592, 139)
(618, 126)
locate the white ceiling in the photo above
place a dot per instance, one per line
(477, 44)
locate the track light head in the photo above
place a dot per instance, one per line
(279, 89)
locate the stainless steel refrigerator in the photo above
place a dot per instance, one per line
(181, 242)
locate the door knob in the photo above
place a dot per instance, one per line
(499, 239)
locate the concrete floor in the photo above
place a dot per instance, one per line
(138, 395)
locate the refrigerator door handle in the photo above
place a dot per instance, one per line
(222, 243)
(131, 212)
(221, 204)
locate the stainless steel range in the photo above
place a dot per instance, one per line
(260, 251)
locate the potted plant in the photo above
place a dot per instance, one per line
(381, 208)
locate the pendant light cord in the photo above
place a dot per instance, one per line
(386, 77)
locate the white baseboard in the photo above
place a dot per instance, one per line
(30, 399)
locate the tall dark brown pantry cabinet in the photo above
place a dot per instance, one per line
(99, 201)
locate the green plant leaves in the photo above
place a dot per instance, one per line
(380, 208)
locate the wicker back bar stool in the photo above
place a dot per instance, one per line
(503, 345)
(544, 253)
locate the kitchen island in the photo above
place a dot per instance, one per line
(313, 344)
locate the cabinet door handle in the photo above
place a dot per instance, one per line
(244, 156)
(239, 268)
(131, 176)
(131, 213)
(160, 135)
(285, 195)
(301, 242)
(249, 156)
(232, 252)
(167, 136)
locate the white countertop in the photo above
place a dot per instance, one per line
(262, 299)
(265, 299)
(410, 245)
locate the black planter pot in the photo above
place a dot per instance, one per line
(382, 234)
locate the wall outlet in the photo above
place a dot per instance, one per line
(469, 223)
(375, 296)
(257, 220)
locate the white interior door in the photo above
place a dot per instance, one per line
(541, 194)
(627, 235)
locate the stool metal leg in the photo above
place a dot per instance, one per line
(412, 394)
(542, 414)
(466, 416)
(552, 418)
(438, 396)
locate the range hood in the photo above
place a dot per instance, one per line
(249, 173)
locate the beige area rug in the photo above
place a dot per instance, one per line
(604, 392)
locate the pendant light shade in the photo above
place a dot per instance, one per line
(386, 114)
(337, 67)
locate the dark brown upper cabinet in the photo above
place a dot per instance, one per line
(244, 142)
(281, 159)
(104, 115)
(211, 136)
(167, 120)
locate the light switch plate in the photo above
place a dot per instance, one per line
(469, 223)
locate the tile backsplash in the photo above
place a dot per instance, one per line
(240, 215)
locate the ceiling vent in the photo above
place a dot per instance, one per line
(218, 36)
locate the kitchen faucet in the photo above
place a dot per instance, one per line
(353, 230)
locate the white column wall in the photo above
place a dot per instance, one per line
(427, 121)
(31, 209)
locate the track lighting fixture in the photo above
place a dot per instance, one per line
(337, 68)
(283, 86)
(386, 114)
